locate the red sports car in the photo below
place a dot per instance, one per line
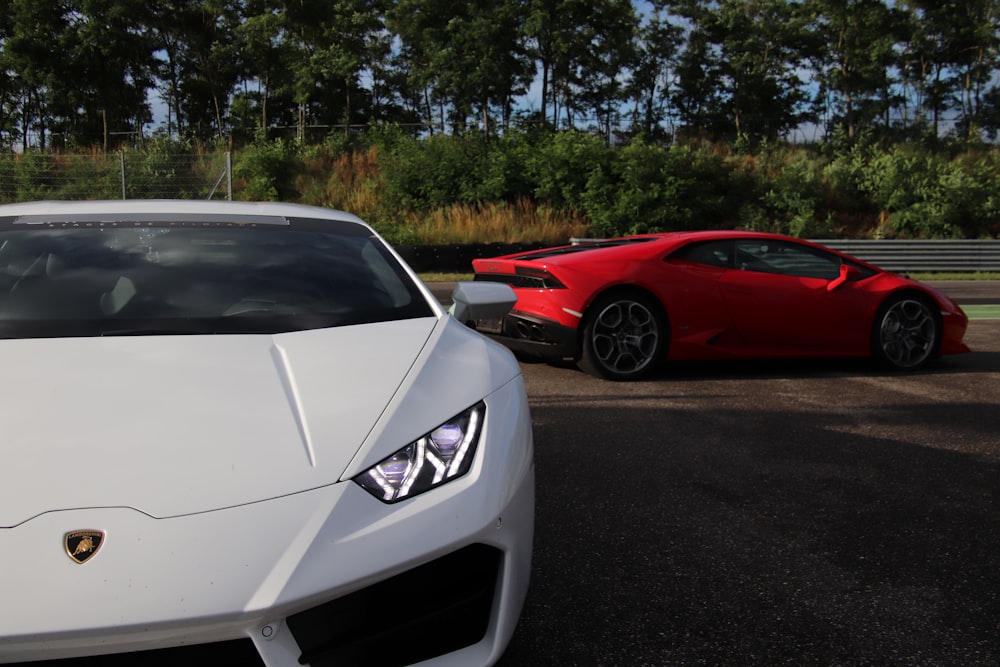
(620, 307)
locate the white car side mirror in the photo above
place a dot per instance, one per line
(481, 301)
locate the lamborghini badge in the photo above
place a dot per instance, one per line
(81, 545)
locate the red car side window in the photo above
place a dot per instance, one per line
(717, 253)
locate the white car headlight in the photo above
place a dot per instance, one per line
(438, 457)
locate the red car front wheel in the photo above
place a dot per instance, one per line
(907, 333)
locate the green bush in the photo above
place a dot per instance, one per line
(844, 176)
(268, 171)
(560, 166)
(929, 195)
(35, 177)
(431, 173)
(790, 194)
(8, 191)
(648, 188)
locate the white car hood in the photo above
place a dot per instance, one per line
(172, 425)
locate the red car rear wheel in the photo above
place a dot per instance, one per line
(625, 337)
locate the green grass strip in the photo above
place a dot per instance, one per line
(978, 275)
(982, 312)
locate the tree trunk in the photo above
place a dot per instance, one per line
(263, 109)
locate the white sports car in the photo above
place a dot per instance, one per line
(243, 434)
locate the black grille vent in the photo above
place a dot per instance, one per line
(433, 609)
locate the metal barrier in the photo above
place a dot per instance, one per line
(959, 256)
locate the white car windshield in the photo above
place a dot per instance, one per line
(151, 274)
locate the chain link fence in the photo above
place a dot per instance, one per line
(124, 175)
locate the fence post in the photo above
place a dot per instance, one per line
(229, 176)
(121, 162)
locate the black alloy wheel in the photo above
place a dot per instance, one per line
(625, 337)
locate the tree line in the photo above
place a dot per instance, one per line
(85, 73)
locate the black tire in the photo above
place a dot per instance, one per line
(625, 337)
(906, 333)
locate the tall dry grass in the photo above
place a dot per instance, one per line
(520, 222)
(348, 181)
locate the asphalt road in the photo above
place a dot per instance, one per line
(794, 513)
(970, 292)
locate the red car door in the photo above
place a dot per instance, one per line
(689, 288)
(781, 303)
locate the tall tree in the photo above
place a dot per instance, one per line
(658, 42)
(855, 55)
(979, 60)
(201, 66)
(952, 57)
(472, 55)
(10, 89)
(555, 31)
(263, 48)
(749, 53)
(761, 42)
(698, 99)
(598, 82)
(330, 43)
(113, 67)
(389, 91)
(36, 57)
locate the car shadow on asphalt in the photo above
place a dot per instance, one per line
(973, 362)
